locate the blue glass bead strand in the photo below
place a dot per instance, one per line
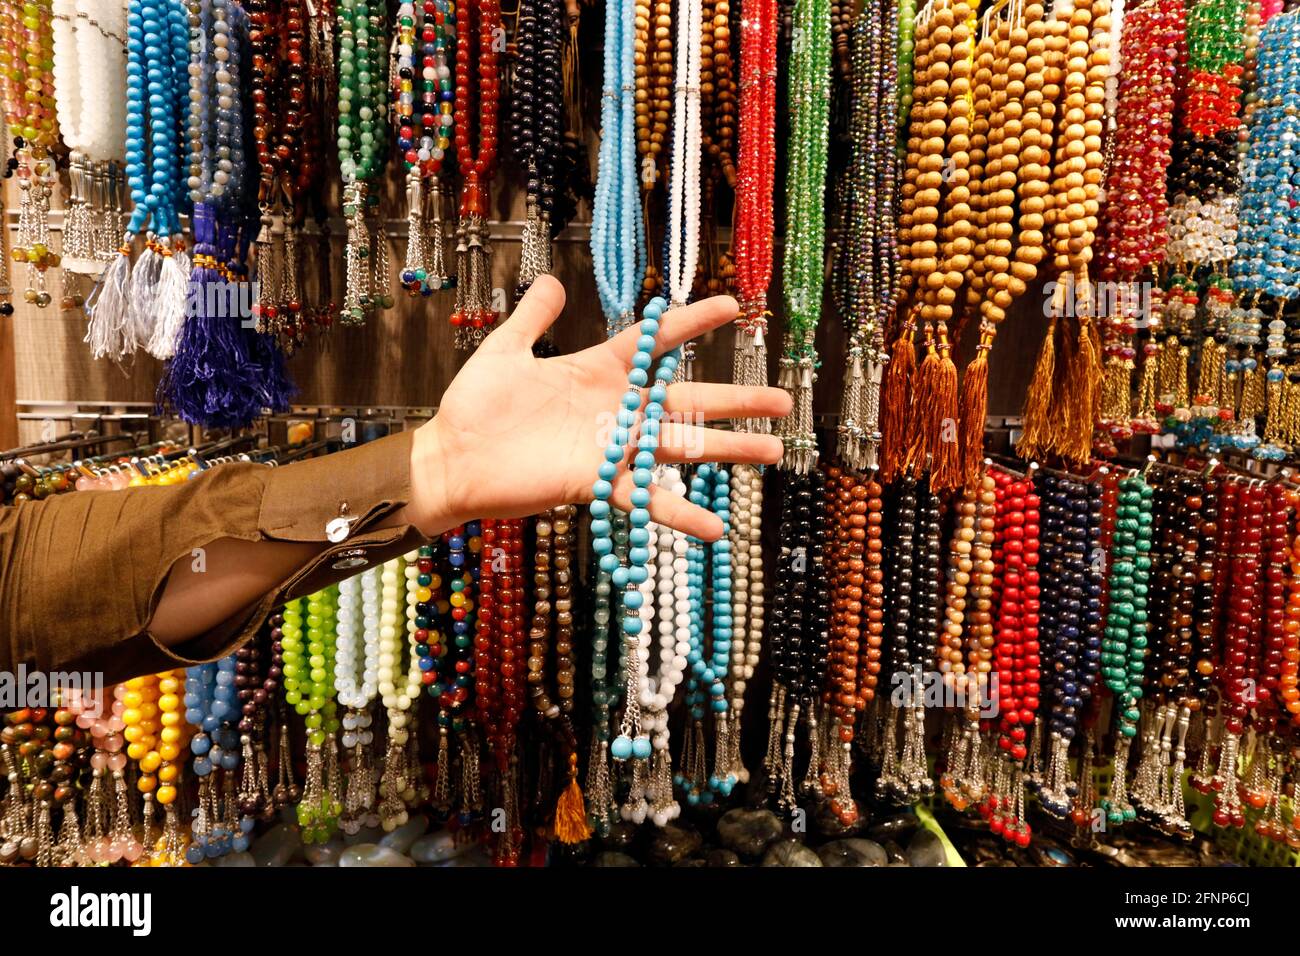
(626, 578)
(617, 244)
(211, 706)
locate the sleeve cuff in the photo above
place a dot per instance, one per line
(346, 492)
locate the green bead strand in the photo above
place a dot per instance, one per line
(810, 72)
(906, 50)
(1124, 646)
(363, 90)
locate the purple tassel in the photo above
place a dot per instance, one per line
(276, 385)
(215, 379)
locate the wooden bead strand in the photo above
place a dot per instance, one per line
(1061, 408)
(918, 246)
(1014, 179)
(945, 163)
(989, 80)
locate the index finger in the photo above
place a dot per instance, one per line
(677, 326)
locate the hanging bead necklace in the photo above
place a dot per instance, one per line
(1010, 256)
(935, 389)
(308, 638)
(144, 306)
(38, 747)
(1061, 408)
(989, 86)
(362, 86)
(1124, 649)
(618, 258)
(935, 229)
(286, 143)
(456, 700)
(537, 126)
(915, 622)
(157, 736)
(1261, 267)
(1240, 652)
(432, 609)
(478, 88)
(683, 225)
(799, 636)
(399, 689)
(424, 135)
(31, 116)
(90, 94)
(709, 662)
(102, 722)
(963, 777)
(617, 242)
(650, 793)
(718, 142)
(256, 690)
(605, 682)
(1071, 516)
(218, 826)
(653, 94)
(870, 254)
(553, 595)
(752, 223)
(221, 372)
(848, 507)
(498, 646)
(356, 681)
(632, 741)
(1203, 180)
(1015, 652)
(916, 238)
(748, 600)
(1134, 222)
(804, 269)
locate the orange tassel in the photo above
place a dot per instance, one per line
(895, 401)
(570, 810)
(945, 449)
(921, 424)
(974, 405)
(1034, 440)
(1080, 396)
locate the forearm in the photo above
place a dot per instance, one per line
(234, 575)
(148, 578)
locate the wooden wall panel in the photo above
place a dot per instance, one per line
(404, 356)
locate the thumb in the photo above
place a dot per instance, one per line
(535, 313)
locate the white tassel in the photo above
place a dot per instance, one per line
(107, 332)
(171, 298)
(141, 292)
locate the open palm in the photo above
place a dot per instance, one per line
(515, 434)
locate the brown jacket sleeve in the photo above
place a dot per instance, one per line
(81, 574)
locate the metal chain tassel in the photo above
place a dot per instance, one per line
(356, 296)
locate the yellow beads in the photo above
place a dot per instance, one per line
(156, 732)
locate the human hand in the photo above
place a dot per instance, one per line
(516, 435)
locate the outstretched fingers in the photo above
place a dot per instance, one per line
(693, 443)
(711, 401)
(670, 509)
(677, 326)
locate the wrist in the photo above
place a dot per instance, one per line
(431, 508)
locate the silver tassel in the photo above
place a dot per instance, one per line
(356, 299)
